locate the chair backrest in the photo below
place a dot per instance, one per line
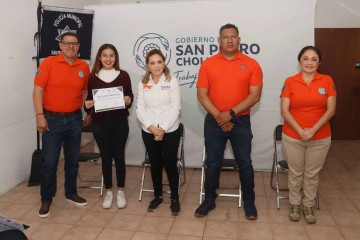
(277, 139)
(278, 133)
(181, 143)
(181, 128)
(229, 163)
(88, 128)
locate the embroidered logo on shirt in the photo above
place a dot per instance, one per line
(243, 67)
(147, 86)
(321, 90)
(167, 87)
(334, 87)
(81, 74)
(37, 72)
(283, 88)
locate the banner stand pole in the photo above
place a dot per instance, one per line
(37, 41)
(36, 163)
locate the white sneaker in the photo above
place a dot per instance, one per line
(121, 201)
(108, 198)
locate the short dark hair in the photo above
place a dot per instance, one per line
(71, 34)
(228, 25)
(315, 49)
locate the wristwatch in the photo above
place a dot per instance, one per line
(232, 113)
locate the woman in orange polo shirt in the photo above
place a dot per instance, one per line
(308, 101)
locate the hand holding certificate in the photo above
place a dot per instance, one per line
(108, 99)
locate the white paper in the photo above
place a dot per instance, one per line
(108, 99)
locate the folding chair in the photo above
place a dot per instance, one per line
(90, 157)
(180, 165)
(227, 164)
(281, 165)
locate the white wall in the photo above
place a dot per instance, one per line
(337, 14)
(18, 25)
(329, 13)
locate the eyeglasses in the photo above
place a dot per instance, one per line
(71, 44)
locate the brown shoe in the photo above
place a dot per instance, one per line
(77, 200)
(44, 210)
(294, 213)
(309, 215)
(250, 211)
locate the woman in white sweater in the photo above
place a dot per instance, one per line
(158, 109)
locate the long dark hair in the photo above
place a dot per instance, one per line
(147, 73)
(98, 65)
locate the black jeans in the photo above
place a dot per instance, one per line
(163, 154)
(111, 133)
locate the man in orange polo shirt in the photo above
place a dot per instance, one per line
(229, 84)
(57, 98)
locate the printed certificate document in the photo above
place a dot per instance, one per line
(108, 99)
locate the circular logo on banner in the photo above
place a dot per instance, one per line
(148, 42)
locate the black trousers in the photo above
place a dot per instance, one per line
(111, 133)
(163, 154)
(12, 234)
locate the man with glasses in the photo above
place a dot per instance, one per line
(57, 96)
(229, 85)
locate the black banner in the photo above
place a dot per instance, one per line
(56, 21)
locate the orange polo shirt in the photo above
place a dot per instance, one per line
(228, 81)
(308, 103)
(62, 83)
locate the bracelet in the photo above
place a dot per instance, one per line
(39, 114)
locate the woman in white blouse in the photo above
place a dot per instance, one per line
(158, 110)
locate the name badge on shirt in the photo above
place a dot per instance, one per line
(167, 87)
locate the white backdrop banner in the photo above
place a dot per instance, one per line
(272, 32)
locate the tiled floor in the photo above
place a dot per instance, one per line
(338, 217)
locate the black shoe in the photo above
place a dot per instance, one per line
(155, 204)
(205, 207)
(175, 207)
(79, 201)
(44, 210)
(250, 211)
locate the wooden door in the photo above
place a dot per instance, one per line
(340, 49)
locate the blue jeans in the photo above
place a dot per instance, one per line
(215, 142)
(66, 132)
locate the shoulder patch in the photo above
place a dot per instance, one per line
(283, 88)
(37, 72)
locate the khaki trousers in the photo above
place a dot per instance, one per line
(305, 160)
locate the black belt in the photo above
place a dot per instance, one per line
(60, 114)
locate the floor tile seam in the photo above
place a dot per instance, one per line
(137, 229)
